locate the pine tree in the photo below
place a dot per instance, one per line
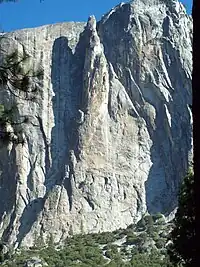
(183, 236)
(21, 81)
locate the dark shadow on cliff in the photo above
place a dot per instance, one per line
(28, 218)
(161, 187)
(158, 187)
(8, 186)
(67, 83)
(63, 109)
(68, 187)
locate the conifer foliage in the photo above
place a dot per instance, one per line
(18, 77)
(183, 236)
(15, 76)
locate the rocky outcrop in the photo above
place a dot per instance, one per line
(109, 134)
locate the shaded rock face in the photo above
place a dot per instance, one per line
(110, 132)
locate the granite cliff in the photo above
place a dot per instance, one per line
(109, 134)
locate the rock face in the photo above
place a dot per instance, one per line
(110, 132)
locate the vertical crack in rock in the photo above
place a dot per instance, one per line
(139, 199)
(69, 177)
(88, 199)
(68, 185)
(30, 175)
(46, 144)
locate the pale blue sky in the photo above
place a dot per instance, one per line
(32, 13)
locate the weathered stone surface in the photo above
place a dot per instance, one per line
(110, 132)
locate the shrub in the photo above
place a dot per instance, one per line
(160, 243)
(183, 249)
(157, 216)
(148, 220)
(104, 238)
(141, 224)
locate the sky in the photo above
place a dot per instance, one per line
(33, 13)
